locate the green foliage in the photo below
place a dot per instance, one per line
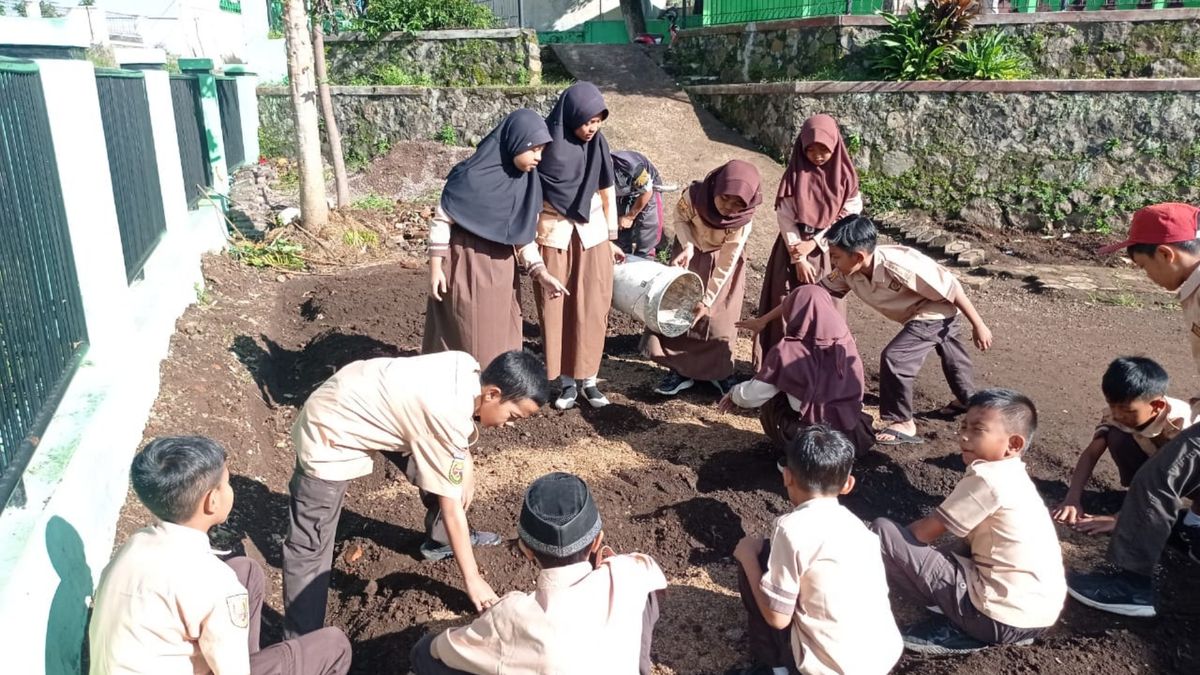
(203, 297)
(358, 238)
(274, 34)
(905, 50)
(410, 16)
(101, 57)
(990, 55)
(273, 142)
(854, 143)
(374, 202)
(391, 75)
(447, 135)
(279, 254)
(49, 10)
(663, 255)
(288, 178)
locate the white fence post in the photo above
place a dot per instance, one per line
(247, 89)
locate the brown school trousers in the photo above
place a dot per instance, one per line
(1155, 495)
(769, 646)
(322, 652)
(903, 357)
(423, 662)
(935, 577)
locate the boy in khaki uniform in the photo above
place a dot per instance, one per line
(424, 409)
(166, 605)
(1140, 420)
(592, 612)
(1163, 243)
(1006, 586)
(816, 594)
(910, 288)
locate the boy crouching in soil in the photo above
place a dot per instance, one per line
(167, 604)
(422, 408)
(592, 612)
(1006, 586)
(820, 574)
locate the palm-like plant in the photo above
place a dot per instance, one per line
(918, 44)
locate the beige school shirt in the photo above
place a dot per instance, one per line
(579, 621)
(419, 406)
(1015, 572)
(905, 285)
(690, 228)
(1176, 417)
(167, 606)
(826, 570)
(554, 229)
(1189, 301)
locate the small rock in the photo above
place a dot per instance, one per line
(281, 278)
(956, 247)
(896, 163)
(371, 589)
(288, 216)
(972, 257)
(192, 328)
(982, 212)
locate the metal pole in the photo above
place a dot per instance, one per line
(520, 13)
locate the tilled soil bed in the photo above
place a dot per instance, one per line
(673, 477)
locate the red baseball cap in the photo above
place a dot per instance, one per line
(1167, 223)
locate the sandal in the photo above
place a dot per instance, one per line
(949, 411)
(897, 437)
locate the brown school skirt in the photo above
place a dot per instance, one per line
(781, 424)
(779, 280)
(574, 326)
(479, 313)
(705, 352)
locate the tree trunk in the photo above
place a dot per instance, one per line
(314, 212)
(635, 17)
(331, 128)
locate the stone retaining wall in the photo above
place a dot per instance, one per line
(1031, 154)
(1119, 44)
(372, 118)
(451, 58)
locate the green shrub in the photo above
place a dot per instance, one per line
(447, 135)
(990, 55)
(390, 75)
(357, 238)
(918, 45)
(410, 16)
(279, 254)
(373, 202)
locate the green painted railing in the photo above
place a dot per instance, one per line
(719, 12)
(189, 128)
(231, 122)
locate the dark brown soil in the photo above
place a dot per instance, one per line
(674, 478)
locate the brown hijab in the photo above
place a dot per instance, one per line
(818, 193)
(734, 177)
(817, 361)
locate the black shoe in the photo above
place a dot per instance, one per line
(673, 383)
(725, 385)
(432, 550)
(594, 397)
(1123, 593)
(566, 399)
(939, 636)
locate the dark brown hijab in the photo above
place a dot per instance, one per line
(817, 361)
(735, 177)
(817, 193)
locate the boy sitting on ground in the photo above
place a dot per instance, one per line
(820, 573)
(911, 288)
(167, 604)
(1141, 418)
(592, 612)
(1006, 586)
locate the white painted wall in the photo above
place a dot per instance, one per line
(568, 14)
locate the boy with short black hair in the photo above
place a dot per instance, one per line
(910, 288)
(592, 612)
(1008, 586)
(820, 574)
(1140, 420)
(423, 408)
(1163, 242)
(167, 604)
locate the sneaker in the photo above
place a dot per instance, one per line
(594, 397)
(432, 550)
(673, 383)
(566, 399)
(724, 385)
(1123, 593)
(939, 637)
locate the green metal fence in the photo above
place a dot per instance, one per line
(132, 164)
(231, 122)
(189, 127)
(42, 329)
(718, 12)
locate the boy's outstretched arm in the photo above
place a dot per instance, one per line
(983, 334)
(459, 534)
(746, 554)
(927, 529)
(1068, 510)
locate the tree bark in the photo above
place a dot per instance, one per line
(314, 212)
(331, 128)
(635, 17)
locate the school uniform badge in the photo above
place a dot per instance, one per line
(239, 609)
(895, 286)
(455, 474)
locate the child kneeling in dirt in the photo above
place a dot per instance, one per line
(1141, 418)
(910, 288)
(820, 573)
(592, 612)
(423, 408)
(167, 604)
(639, 204)
(1006, 584)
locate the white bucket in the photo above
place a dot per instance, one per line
(660, 296)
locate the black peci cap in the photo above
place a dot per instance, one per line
(559, 517)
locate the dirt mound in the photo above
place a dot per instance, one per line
(410, 171)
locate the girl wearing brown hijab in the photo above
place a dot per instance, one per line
(819, 186)
(712, 224)
(813, 375)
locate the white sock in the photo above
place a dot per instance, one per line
(1192, 519)
(589, 381)
(566, 381)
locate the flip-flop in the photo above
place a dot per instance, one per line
(898, 438)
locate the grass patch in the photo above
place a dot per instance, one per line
(447, 135)
(203, 297)
(279, 254)
(357, 238)
(1118, 300)
(374, 202)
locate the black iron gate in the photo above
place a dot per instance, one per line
(189, 127)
